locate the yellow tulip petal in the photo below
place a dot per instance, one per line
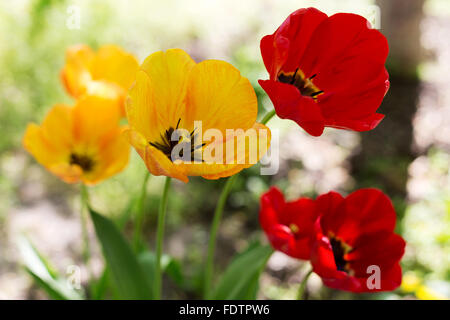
(168, 73)
(57, 127)
(220, 97)
(94, 117)
(113, 64)
(252, 149)
(157, 163)
(76, 74)
(142, 113)
(35, 142)
(113, 155)
(67, 172)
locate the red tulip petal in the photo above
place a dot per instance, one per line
(290, 104)
(281, 238)
(302, 213)
(272, 203)
(298, 28)
(343, 37)
(359, 125)
(274, 51)
(362, 212)
(383, 249)
(322, 258)
(329, 202)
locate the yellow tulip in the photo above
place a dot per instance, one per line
(109, 72)
(81, 143)
(173, 92)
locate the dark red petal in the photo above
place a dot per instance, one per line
(302, 213)
(281, 238)
(328, 202)
(382, 249)
(345, 283)
(341, 38)
(348, 59)
(391, 279)
(354, 95)
(298, 28)
(274, 51)
(302, 248)
(359, 125)
(272, 204)
(290, 104)
(322, 258)
(362, 212)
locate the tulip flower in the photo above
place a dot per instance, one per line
(355, 248)
(83, 143)
(326, 71)
(182, 115)
(288, 225)
(109, 72)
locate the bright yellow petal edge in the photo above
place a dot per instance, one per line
(83, 143)
(171, 90)
(109, 72)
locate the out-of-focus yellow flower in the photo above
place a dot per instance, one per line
(109, 72)
(81, 143)
(426, 293)
(411, 283)
(172, 92)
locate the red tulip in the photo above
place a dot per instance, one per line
(326, 71)
(289, 225)
(353, 237)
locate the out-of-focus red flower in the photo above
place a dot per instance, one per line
(352, 236)
(326, 71)
(289, 226)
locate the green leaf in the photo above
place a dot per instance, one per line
(44, 275)
(169, 265)
(241, 278)
(99, 287)
(126, 272)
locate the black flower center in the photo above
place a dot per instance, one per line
(85, 162)
(304, 85)
(166, 144)
(340, 249)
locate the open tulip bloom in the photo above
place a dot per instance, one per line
(83, 143)
(347, 239)
(189, 119)
(326, 71)
(109, 72)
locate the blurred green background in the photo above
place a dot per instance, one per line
(407, 156)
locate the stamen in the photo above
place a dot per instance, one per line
(166, 145)
(293, 77)
(316, 93)
(303, 84)
(340, 249)
(86, 163)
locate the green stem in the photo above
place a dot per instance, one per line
(213, 235)
(160, 237)
(209, 267)
(84, 230)
(269, 115)
(137, 236)
(302, 287)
